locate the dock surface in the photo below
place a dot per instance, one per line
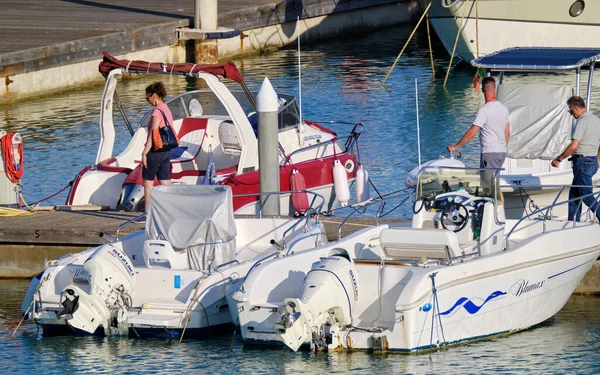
(91, 228)
(41, 23)
(41, 34)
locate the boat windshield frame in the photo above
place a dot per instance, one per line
(428, 186)
(288, 112)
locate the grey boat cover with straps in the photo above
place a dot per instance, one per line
(540, 124)
(194, 218)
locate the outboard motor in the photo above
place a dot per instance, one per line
(132, 196)
(330, 293)
(132, 192)
(112, 278)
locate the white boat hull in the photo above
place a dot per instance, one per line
(166, 302)
(478, 298)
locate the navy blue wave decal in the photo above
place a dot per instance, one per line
(571, 269)
(468, 305)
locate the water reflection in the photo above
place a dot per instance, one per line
(567, 343)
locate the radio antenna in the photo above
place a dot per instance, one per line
(418, 130)
(299, 71)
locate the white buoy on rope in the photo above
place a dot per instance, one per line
(361, 182)
(340, 183)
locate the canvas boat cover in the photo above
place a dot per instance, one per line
(194, 218)
(540, 124)
(226, 70)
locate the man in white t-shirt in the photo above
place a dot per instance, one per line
(492, 124)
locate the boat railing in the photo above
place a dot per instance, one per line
(136, 219)
(348, 138)
(546, 212)
(314, 210)
(380, 203)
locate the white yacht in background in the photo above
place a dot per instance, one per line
(491, 25)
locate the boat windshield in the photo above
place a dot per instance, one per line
(206, 104)
(434, 180)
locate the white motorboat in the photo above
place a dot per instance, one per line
(169, 280)
(485, 26)
(541, 126)
(459, 272)
(217, 130)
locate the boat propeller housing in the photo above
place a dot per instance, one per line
(330, 292)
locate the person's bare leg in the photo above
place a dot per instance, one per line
(148, 185)
(164, 182)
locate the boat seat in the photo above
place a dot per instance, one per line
(418, 243)
(160, 252)
(191, 134)
(230, 139)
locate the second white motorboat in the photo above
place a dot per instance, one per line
(459, 272)
(169, 280)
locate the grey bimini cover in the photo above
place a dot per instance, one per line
(540, 124)
(194, 218)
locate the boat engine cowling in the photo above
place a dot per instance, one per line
(328, 298)
(111, 277)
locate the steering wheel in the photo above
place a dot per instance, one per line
(457, 214)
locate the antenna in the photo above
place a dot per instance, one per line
(299, 71)
(418, 130)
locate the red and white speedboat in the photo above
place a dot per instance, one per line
(218, 143)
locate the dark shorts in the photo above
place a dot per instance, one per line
(490, 160)
(159, 165)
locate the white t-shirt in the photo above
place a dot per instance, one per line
(492, 118)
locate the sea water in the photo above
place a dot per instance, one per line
(341, 82)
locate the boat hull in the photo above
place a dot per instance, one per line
(500, 24)
(501, 293)
(166, 300)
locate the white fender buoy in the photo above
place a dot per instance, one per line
(340, 183)
(300, 199)
(362, 184)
